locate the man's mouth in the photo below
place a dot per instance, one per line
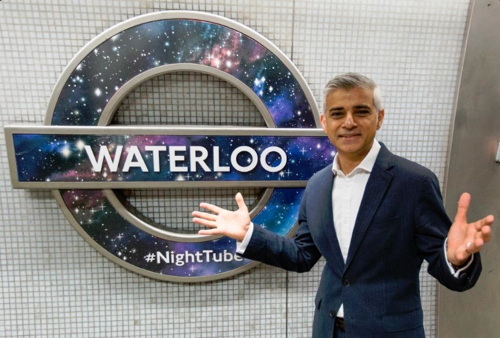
(349, 136)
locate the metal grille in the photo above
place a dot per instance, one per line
(185, 98)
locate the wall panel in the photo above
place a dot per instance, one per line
(472, 168)
(52, 283)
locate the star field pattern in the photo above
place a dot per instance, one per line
(134, 50)
(63, 158)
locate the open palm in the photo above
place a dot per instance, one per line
(233, 224)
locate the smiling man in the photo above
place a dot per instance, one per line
(351, 120)
(374, 217)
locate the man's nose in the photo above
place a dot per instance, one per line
(349, 121)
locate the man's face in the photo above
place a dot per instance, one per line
(351, 121)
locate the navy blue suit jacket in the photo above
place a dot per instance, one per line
(400, 222)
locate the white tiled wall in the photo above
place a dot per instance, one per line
(54, 284)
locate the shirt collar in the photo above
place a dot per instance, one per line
(365, 165)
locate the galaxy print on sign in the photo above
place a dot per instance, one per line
(141, 48)
(114, 61)
(132, 245)
(63, 158)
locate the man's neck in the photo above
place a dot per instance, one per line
(347, 165)
(348, 162)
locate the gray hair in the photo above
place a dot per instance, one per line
(350, 81)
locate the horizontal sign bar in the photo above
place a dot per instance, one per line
(151, 157)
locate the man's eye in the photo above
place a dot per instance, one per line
(336, 115)
(363, 112)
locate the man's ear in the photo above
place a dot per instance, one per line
(381, 115)
(322, 119)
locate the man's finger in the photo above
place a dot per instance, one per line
(204, 215)
(210, 232)
(485, 233)
(484, 223)
(469, 246)
(240, 201)
(213, 208)
(205, 223)
(487, 221)
(463, 207)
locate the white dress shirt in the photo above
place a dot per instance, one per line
(347, 192)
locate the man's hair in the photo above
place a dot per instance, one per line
(353, 80)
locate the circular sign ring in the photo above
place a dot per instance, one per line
(124, 91)
(108, 67)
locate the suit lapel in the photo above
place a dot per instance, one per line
(325, 205)
(377, 185)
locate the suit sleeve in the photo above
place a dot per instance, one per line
(297, 254)
(432, 226)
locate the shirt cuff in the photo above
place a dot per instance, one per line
(456, 272)
(242, 246)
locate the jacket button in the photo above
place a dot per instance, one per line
(332, 314)
(347, 282)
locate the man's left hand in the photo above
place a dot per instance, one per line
(464, 239)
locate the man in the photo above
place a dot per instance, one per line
(374, 216)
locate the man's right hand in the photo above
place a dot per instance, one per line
(233, 224)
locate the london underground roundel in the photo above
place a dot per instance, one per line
(83, 159)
